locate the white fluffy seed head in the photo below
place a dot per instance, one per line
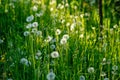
(55, 54)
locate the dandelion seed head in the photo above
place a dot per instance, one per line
(52, 46)
(115, 26)
(51, 76)
(35, 24)
(49, 38)
(68, 24)
(1, 41)
(34, 30)
(39, 33)
(55, 54)
(91, 70)
(65, 36)
(115, 68)
(26, 33)
(35, 8)
(63, 41)
(58, 32)
(102, 74)
(106, 78)
(72, 26)
(81, 36)
(82, 77)
(10, 79)
(29, 18)
(24, 61)
(66, 5)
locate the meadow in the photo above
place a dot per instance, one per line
(59, 40)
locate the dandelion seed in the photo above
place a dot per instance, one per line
(51, 76)
(55, 54)
(82, 77)
(115, 68)
(24, 61)
(91, 70)
(106, 78)
(58, 32)
(26, 33)
(35, 24)
(29, 18)
(63, 41)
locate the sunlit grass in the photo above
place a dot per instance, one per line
(49, 40)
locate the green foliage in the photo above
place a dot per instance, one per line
(41, 39)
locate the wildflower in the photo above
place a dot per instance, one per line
(63, 41)
(24, 61)
(91, 70)
(51, 76)
(29, 18)
(106, 78)
(58, 32)
(35, 8)
(55, 54)
(1, 41)
(35, 24)
(115, 68)
(26, 33)
(82, 77)
(66, 36)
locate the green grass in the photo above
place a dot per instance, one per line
(83, 54)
